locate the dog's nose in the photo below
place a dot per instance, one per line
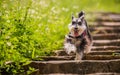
(76, 28)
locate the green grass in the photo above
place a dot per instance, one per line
(32, 28)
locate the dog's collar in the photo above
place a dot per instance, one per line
(80, 36)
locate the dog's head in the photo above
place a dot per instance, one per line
(77, 26)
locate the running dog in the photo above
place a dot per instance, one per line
(79, 39)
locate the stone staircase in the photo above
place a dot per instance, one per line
(104, 59)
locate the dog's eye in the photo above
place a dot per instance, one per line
(73, 22)
(79, 23)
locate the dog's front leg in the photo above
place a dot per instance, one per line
(69, 46)
(79, 54)
(80, 50)
(88, 45)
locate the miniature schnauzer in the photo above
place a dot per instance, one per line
(79, 39)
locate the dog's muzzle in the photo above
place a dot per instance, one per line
(76, 32)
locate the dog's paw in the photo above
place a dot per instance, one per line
(69, 48)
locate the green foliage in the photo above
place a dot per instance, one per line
(32, 28)
(16, 68)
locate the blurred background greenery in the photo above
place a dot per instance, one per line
(32, 28)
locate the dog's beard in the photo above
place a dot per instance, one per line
(69, 48)
(76, 33)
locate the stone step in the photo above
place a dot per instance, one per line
(60, 53)
(51, 58)
(97, 48)
(77, 67)
(106, 36)
(101, 57)
(109, 17)
(86, 57)
(85, 74)
(104, 73)
(106, 42)
(93, 52)
(103, 52)
(105, 29)
(104, 24)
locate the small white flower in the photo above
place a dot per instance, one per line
(7, 37)
(9, 43)
(8, 21)
(65, 9)
(32, 11)
(75, 7)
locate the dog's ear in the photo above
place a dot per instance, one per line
(81, 15)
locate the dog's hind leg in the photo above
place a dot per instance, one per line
(81, 49)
